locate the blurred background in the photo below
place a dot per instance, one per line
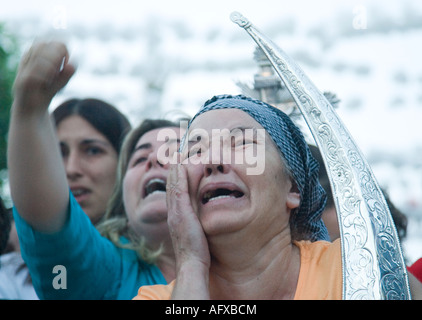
(150, 58)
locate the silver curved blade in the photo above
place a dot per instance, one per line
(372, 259)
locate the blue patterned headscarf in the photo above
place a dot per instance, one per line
(306, 222)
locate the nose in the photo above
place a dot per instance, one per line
(73, 166)
(216, 161)
(210, 169)
(154, 161)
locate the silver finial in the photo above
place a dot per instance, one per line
(238, 18)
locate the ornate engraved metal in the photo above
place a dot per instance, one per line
(372, 259)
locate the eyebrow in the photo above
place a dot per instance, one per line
(142, 147)
(149, 145)
(91, 141)
(194, 138)
(241, 128)
(172, 140)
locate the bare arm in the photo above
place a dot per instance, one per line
(38, 181)
(189, 241)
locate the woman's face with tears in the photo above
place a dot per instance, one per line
(144, 183)
(225, 193)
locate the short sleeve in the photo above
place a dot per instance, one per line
(156, 292)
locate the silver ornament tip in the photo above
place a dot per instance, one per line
(238, 18)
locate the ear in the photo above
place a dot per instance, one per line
(293, 196)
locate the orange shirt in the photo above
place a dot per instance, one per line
(320, 276)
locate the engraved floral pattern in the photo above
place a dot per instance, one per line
(373, 264)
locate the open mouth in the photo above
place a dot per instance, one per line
(154, 186)
(79, 192)
(221, 193)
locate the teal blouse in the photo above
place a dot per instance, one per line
(78, 263)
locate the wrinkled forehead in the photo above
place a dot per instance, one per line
(242, 110)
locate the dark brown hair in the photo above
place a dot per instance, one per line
(102, 116)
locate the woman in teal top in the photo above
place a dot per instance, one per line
(66, 255)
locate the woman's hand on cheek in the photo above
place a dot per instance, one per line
(189, 241)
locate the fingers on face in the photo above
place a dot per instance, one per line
(176, 183)
(178, 200)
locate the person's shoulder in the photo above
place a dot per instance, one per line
(320, 272)
(155, 292)
(319, 248)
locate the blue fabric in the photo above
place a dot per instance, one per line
(292, 145)
(95, 267)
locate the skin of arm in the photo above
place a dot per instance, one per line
(38, 180)
(189, 241)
